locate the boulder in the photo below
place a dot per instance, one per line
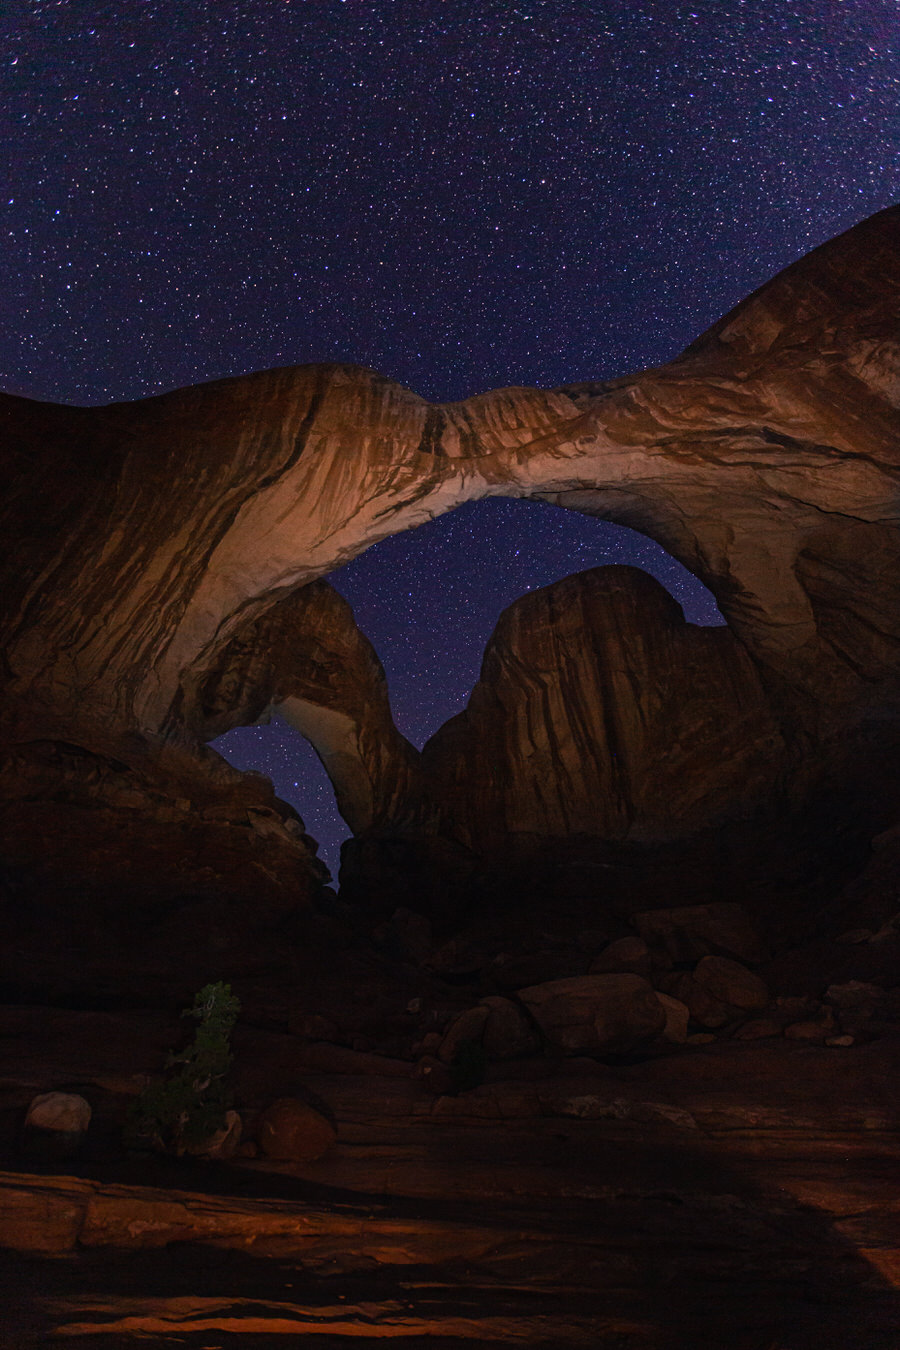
(466, 1028)
(596, 1014)
(855, 996)
(704, 1008)
(731, 983)
(695, 931)
(508, 1032)
(59, 1112)
(677, 1018)
(629, 955)
(224, 1143)
(291, 1130)
(56, 1125)
(814, 1032)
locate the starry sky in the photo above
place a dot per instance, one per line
(461, 195)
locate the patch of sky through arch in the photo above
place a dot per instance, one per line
(428, 600)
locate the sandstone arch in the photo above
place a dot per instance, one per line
(146, 537)
(177, 518)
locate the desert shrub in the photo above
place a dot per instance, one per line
(181, 1111)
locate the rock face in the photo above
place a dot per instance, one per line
(600, 711)
(157, 551)
(306, 656)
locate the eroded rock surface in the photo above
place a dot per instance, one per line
(601, 711)
(148, 543)
(306, 656)
(765, 458)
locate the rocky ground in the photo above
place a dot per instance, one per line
(633, 1138)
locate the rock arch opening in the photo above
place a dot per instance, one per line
(429, 600)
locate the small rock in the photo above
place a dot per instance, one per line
(56, 1125)
(469, 1026)
(807, 1031)
(414, 1006)
(731, 983)
(61, 1112)
(628, 955)
(677, 1018)
(224, 1143)
(840, 1040)
(759, 1029)
(291, 1130)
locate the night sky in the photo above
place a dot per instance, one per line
(460, 195)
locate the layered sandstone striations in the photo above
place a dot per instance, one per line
(765, 458)
(600, 711)
(307, 657)
(145, 538)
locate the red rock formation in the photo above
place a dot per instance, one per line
(601, 711)
(143, 538)
(307, 656)
(145, 534)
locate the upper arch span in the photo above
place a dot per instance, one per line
(145, 534)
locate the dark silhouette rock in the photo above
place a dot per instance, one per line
(596, 1013)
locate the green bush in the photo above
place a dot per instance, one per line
(183, 1110)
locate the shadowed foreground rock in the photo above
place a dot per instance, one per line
(739, 1196)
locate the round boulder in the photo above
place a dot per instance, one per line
(291, 1130)
(61, 1112)
(56, 1125)
(731, 983)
